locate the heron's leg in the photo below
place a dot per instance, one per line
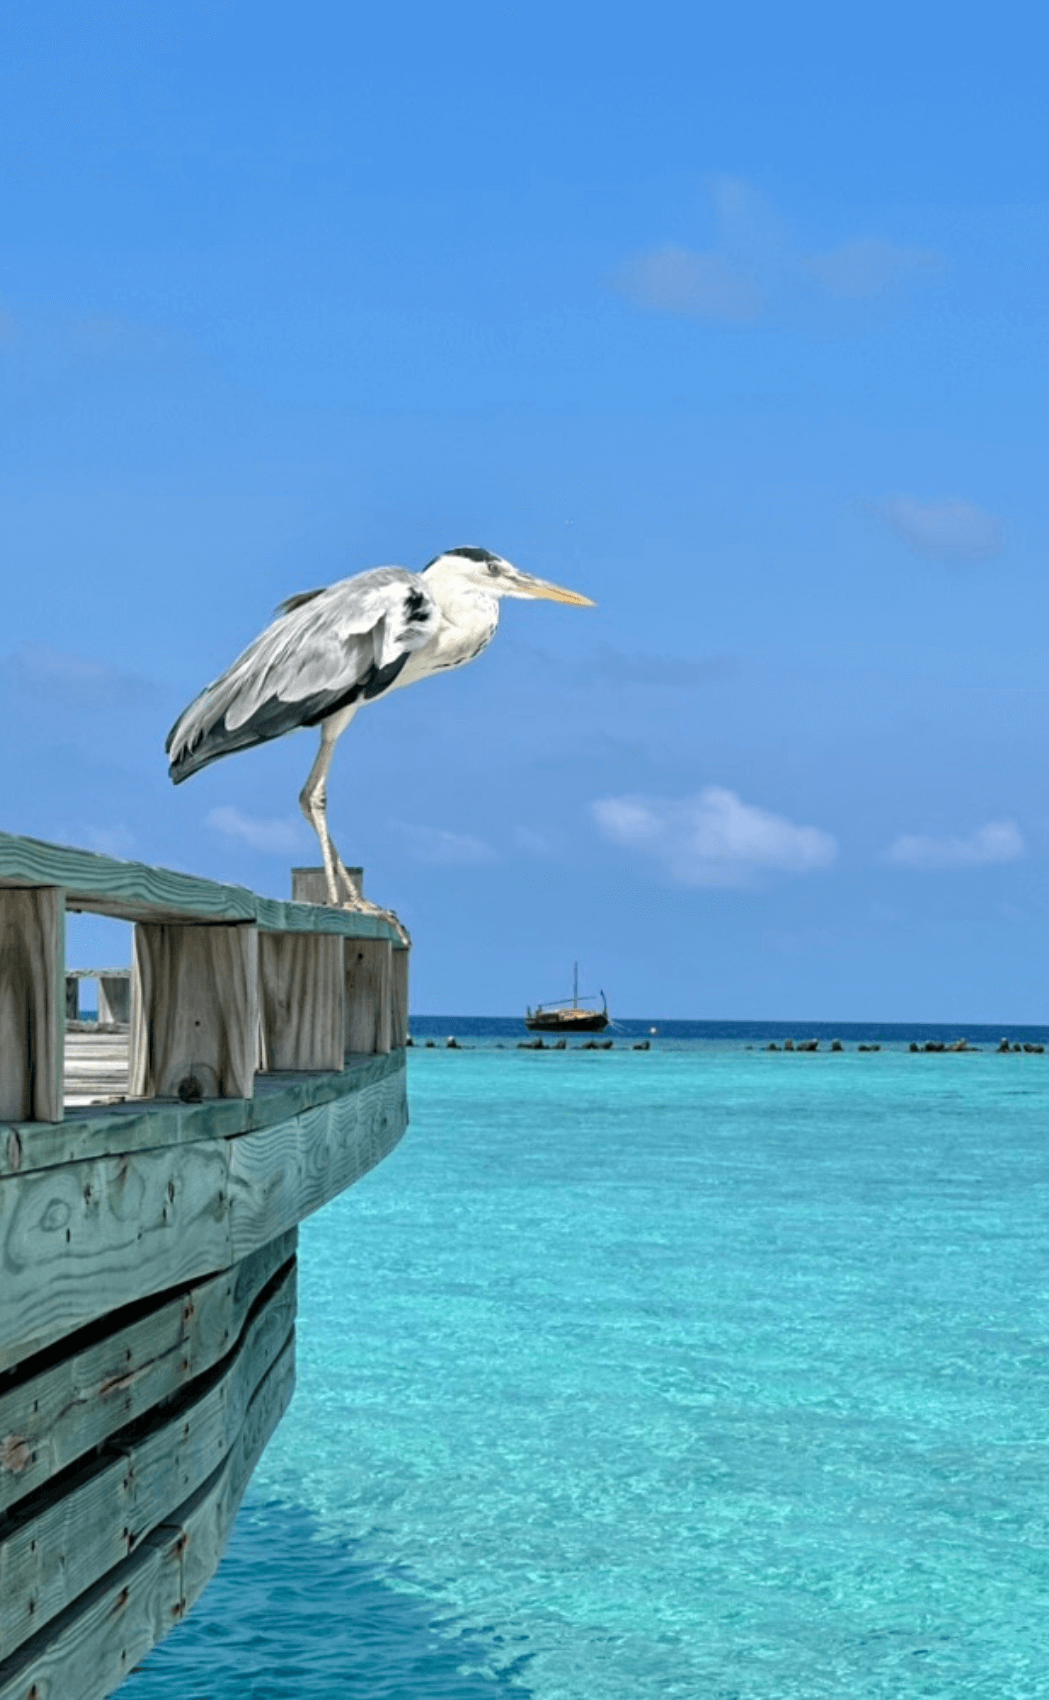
(313, 800)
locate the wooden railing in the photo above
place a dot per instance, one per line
(148, 1244)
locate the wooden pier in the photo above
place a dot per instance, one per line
(152, 1176)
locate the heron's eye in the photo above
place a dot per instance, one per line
(494, 568)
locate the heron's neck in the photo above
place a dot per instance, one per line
(461, 604)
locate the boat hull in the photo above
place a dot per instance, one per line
(567, 1021)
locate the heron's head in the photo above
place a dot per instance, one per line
(480, 570)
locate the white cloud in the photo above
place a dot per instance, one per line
(868, 267)
(115, 840)
(281, 837)
(997, 842)
(714, 838)
(951, 530)
(706, 286)
(436, 845)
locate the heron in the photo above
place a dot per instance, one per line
(333, 650)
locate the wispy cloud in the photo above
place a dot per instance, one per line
(706, 286)
(283, 836)
(990, 845)
(76, 681)
(714, 838)
(115, 840)
(439, 847)
(755, 261)
(868, 267)
(651, 671)
(952, 529)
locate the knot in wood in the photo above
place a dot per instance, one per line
(190, 1090)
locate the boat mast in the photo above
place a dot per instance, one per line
(575, 985)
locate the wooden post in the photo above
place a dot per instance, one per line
(368, 976)
(310, 885)
(72, 997)
(32, 1002)
(194, 1011)
(114, 998)
(301, 997)
(399, 998)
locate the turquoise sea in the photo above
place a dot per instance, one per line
(702, 1371)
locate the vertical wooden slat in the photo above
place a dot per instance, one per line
(72, 997)
(301, 997)
(114, 998)
(368, 975)
(194, 1011)
(310, 885)
(399, 998)
(32, 1002)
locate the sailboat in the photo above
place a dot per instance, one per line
(568, 1017)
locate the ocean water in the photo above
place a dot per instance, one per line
(702, 1371)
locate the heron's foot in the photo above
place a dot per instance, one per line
(361, 906)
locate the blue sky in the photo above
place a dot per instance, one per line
(733, 321)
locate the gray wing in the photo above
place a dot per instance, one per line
(326, 650)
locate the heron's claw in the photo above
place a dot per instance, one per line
(361, 906)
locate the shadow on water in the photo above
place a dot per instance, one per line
(291, 1616)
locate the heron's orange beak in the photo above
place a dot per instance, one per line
(530, 586)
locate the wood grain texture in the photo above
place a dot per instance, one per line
(100, 1130)
(195, 1011)
(310, 885)
(134, 891)
(114, 998)
(301, 999)
(52, 1418)
(51, 1552)
(88, 1650)
(368, 993)
(81, 1239)
(32, 1003)
(399, 970)
(85, 1238)
(279, 1175)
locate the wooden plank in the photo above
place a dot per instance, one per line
(32, 1003)
(88, 1650)
(51, 1555)
(134, 891)
(60, 1413)
(78, 1240)
(82, 1239)
(399, 965)
(148, 1124)
(279, 1175)
(368, 974)
(195, 1012)
(310, 885)
(114, 997)
(301, 997)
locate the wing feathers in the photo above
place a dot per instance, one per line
(326, 649)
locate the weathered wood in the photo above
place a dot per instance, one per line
(141, 1125)
(53, 1417)
(72, 997)
(368, 974)
(32, 1003)
(133, 891)
(52, 1551)
(301, 997)
(310, 885)
(195, 1013)
(114, 998)
(282, 1174)
(399, 968)
(88, 1650)
(80, 1239)
(96, 1066)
